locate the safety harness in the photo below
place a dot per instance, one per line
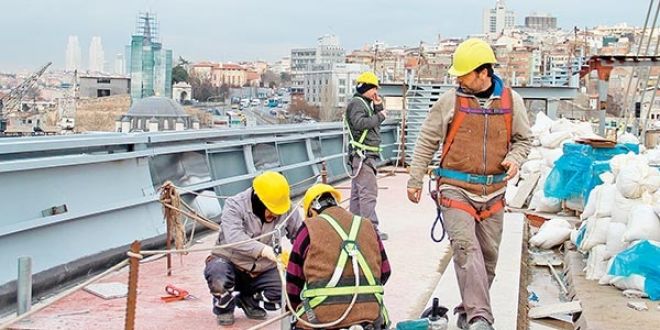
(313, 297)
(359, 145)
(506, 110)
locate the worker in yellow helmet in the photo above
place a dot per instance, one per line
(363, 117)
(322, 258)
(483, 128)
(250, 268)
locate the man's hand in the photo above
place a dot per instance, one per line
(377, 99)
(511, 169)
(268, 253)
(414, 194)
(384, 112)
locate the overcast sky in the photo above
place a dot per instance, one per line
(33, 32)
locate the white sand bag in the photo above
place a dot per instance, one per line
(615, 242)
(554, 140)
(546, 204)
(551, 155)
(597, 263)
(627, 138)
(636, 178)
(596, 233)
(542, 124)
(620, 161)
(634, 281)
(622, 207)
(606, 279)
(551, 234)
(207, 205)
(643, 224)
(601, 199)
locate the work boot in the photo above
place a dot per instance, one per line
(226, 319)
(250, 307)
(383, 236)
(479, 323)
(461, 322)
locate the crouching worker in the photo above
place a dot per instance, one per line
(335, 256)
(246, 275)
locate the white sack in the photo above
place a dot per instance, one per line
(622, 207)
(551, 155)
(627, 138)
(615, 242)
(636, 178)
(596, 233)
(601, 199)
(542, 124)
(596, 263)
(554, 140)
(551, 234)
(207, 205)
(633, 281)
(643, 224)
(545, 204)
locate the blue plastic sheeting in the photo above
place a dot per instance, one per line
(640, 259)
(577, 171)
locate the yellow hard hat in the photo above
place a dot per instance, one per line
(469, 55)
(317, 190)
(367, 77)
(273, 190)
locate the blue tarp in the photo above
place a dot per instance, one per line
(577, 171)
(640, 259)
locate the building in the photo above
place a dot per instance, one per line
(119, 64)
(96, 56)
(541, 22)
(155, 114)
(328, 50)
(150, 63)
(330, 86)
(497, 19)
(282, 66)
(73, 55)
(228, 74)
(182, 92)
(93, 86)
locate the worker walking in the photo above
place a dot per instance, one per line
(485, 136)
(336, 255)
(249, 269)
(364, 114)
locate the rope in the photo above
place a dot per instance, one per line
(169, 197)
(277, 229)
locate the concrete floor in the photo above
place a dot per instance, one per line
(415, 261)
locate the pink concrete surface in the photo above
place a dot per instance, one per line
(413, 256)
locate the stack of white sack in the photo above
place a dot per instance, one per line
(618, 213)
(549, 138)
(552, 233)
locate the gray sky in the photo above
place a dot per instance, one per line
(36, 31)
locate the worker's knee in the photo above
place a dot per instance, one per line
(219, 276)
(463, 250)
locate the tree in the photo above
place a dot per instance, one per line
(179, 74)
(300, 107)
(270, 79)
(285, 78)
(203, 88)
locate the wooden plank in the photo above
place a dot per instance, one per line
(548, 310)
(524, 190)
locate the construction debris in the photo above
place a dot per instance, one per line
(638, 305)
(549, 310)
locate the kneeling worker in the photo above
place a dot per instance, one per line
(332, 246)
(250, 268)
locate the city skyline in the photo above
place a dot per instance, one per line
(267, 30)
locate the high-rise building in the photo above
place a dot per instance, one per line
(73, 54)
(96, 56)
(541, 22)
(150, 64)
(119, 64)
(328, 51)
(497, 19)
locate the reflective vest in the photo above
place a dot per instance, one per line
(477, 142)
(359, 144)
(328, 268)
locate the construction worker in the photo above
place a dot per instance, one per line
(483, 128)
(332, 246)
(249, 269)
(364, 114)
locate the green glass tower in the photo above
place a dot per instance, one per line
(150, 64)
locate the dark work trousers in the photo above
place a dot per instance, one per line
(224, 279)
(364, 189)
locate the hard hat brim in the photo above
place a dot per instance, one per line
(279, 209)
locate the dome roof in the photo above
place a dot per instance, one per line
(155, 106)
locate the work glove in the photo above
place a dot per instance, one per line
(268, 253)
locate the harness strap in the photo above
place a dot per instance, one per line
(477, 215)
(359, 143)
